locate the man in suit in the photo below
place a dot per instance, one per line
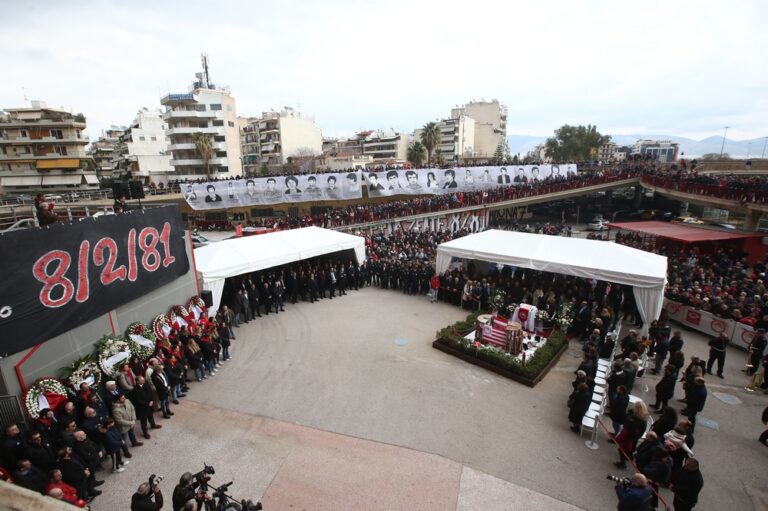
(160, 380)
(503, 178)
(141, 397)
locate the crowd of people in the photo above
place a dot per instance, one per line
(742, 188)
(660, 451)
(63, 452)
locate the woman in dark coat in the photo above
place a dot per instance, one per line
(666, 422)
(631, 431)
(665, 389)
(619, 408)
(579, 402)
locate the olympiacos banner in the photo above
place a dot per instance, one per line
(349, 185)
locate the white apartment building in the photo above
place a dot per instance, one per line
(662, 150)
(142, 150)
(276, 136)
(457, 139)
(43, 149)
(490, 125)
(103, 149)
(387, 146)
(208, 110)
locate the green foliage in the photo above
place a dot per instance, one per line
(430, 138)
(416, 153)
(499, 155)
(204, 146)
(575, 143)
(533, 366)
(264, 169)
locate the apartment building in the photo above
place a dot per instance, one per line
(490, 126)
(142, 149)
(276, 136)
(102, 151)
(43, 149)
(381, 146)
(210, 111)
(457, 139)
(662, 150)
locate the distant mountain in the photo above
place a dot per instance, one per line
(691, 148)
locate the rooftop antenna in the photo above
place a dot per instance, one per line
(206, 75)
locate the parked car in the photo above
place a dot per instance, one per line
(597, 224)
(198, 240)
(687, 219)
(53, 197)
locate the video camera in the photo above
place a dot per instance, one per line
(204, 475)
(154, 479)
(623, 481)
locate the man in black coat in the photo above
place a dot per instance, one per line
(75, 474)
(141, 397)
(265, 297)
(12, 446)
(253, 300)
(142, 499)
(163, 387)
(29, 476)
(717, 348)
(89, 454)
(697, 396)
(39, 451)
(686, 485)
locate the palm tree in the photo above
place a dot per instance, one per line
(430, 137)
(416, 153)
(204, 146)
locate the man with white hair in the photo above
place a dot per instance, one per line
(142, 499)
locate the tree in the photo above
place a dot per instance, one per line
(430, 138)
(498, 156)
(416, 152)
(204, 146)
(574, 143)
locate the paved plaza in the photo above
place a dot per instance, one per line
(344, 404)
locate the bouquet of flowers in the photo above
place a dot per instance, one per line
(542, 315)
(565, 315)
(511, 308)
(44, 393)
(141, 340)
(84, 369)
(161, 327)
(497, 300)
(113, 350)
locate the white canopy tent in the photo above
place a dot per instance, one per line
(229, 258)
(591, 259)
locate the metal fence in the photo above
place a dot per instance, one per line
(11, 412)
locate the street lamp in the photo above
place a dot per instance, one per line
(722, 147)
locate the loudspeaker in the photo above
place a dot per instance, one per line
(207, 297)
(137, 189)
(120, 189)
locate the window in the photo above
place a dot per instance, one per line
(200, 108)
(218, 123)
(215, 107)
(229, 108)
(61, 150)
(218, 138)
(221, 154)
(230, 124)
(154, 139)
(142, 138)
(23, 133)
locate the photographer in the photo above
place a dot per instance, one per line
(142, 499)
(635, 496)
(186, 491)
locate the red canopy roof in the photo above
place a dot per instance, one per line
(686, 233)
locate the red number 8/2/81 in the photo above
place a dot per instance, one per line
(58, 290)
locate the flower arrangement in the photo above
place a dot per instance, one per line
(84, 369)
(178, 316)
(196, 303)
(44, 393)
(542, 315)
(161, 327)
(565, 315)
(497, 300)
(511, 307)
(112, 351)
(141, 340)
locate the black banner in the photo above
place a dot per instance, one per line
(58, 277)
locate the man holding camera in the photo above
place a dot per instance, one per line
(636, 496)
(186, 491)
(142, 500)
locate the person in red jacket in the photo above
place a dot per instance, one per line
(434, 287)
(69, 493)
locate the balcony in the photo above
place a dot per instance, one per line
(178, 98)
(198, 162)
(190, 146)
(188, 114)
(213, 130)
(35, 123)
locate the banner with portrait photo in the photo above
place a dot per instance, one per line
(260, 191)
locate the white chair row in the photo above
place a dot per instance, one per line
(600, 391)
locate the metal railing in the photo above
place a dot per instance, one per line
(11, 412)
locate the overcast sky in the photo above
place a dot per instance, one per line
(676, 67)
